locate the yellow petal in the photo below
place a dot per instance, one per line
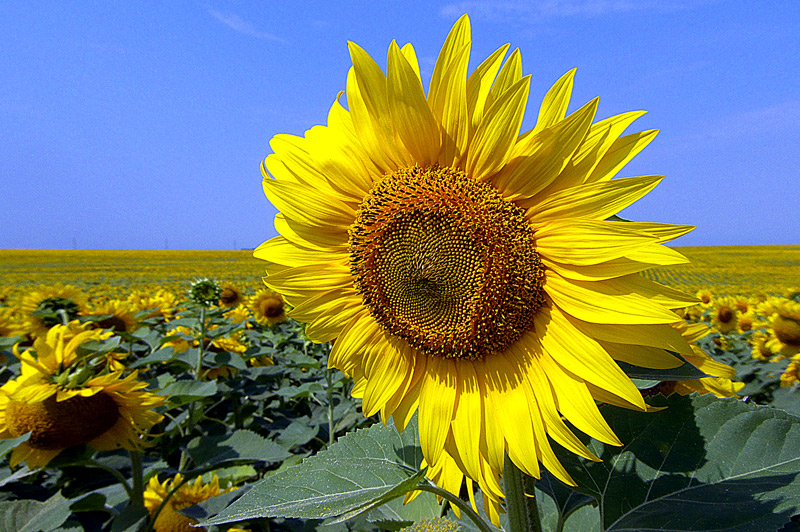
(480, 83)
(598, 141)
(576, 403)
(294, 202)
(596, 201)
(537, 161)
(555, 103)
(497, 132)
(413, 120)
(580, 354)
(468, 417)
(436, 404)
(622, 151)
(447, 95)
(509, 74)
(281, 251)
(308, 280)
(596, 302)
(585, 242)
(311, 237)
(642, 355)
(658, 336)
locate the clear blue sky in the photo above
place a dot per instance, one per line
(137, 125)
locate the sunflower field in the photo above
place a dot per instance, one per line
(208, 389)
(453, 330)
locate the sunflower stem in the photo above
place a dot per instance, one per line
(329, 382)
(137, 472)
(462, 505)
(521, 505)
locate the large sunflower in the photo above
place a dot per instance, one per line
(467, 271)
(63, 406)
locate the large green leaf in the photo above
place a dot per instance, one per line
(701, 464)
(360, 471)
(34, 516)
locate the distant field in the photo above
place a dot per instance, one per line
(123, 271)
(724, 269)
(732, 270)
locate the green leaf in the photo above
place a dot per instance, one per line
(242, 444)
(34, 516)
(6, 446)
(361, 470)
(190, 390)
(159, 355)
(299, 432)
(701, 464)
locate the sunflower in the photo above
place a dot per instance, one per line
(169, 518)
(706, 298)
(760, 351)
(162, 304)
(725, 315)
(267, 307)
(784, 324)
(231, 296)
(467, 271)
(121, 316)
(791, 375)
(62, 406)
(51, 305)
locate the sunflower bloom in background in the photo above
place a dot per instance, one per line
(466, 269)
(63, 403)
(267, 307)
(169, 518)
(51, 305)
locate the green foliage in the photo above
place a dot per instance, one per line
(700, 464)
(361, 471)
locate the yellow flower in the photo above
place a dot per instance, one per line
(725, 315)
(267, 307)
(791, 375)
(51, 305)
(231, 296)
(760, 351)
(63, 404)
(239, 314)
(467, 271)
(169, 518)
(122, 317)
(163, 303)
(784, 325)
(706, 298)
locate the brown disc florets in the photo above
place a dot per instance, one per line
(61, 424)
(445, 262)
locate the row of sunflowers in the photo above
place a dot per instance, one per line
(166, 401)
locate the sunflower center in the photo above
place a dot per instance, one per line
(787, 330)
(114, 322)
(725, 314)
(271, 307)
(61, 424)
(229, 296)
(446, 263)
(48, 310)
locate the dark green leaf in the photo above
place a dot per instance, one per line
(242, 444)
(701, 464)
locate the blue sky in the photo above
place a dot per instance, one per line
(141, 125)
